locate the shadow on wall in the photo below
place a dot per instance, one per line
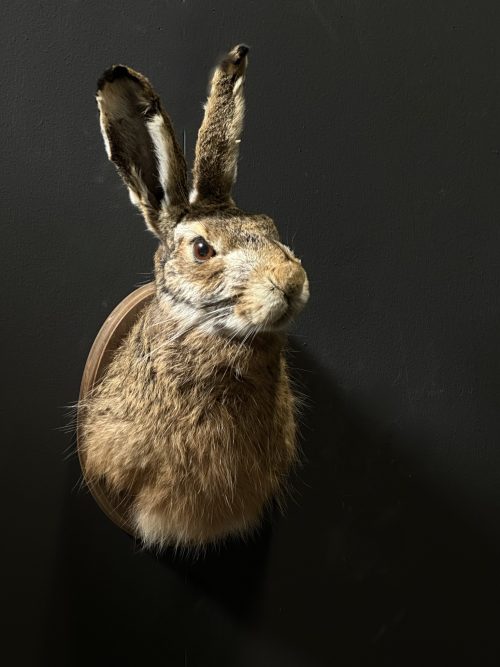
(369, 566)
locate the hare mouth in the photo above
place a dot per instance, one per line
(286, 318)
(281, 323)
(278, 323)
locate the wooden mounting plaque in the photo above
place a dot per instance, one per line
(107, 341)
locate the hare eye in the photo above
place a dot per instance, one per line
(202, 250)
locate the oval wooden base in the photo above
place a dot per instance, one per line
(111, 334)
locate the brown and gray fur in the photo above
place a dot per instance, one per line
(193, 424)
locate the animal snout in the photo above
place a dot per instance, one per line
(274, 295)
(289, 278)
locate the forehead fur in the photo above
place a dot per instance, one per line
(228, 225)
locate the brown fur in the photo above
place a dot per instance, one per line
(192, 426)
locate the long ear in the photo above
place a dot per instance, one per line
(218, 142)
(140, 141)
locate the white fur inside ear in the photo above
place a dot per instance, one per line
(158, 134)
(238, 84)
(193, 195)
(133, 197)
(107, 145)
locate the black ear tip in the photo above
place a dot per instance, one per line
(234, 63)
(242, 50)
(239, 52)
(112, 74)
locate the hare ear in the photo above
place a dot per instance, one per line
(218, 142)
(140, 141)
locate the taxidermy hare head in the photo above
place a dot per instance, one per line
(192, 427)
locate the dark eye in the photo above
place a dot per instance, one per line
(202, 250)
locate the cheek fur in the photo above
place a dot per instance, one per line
(195, 281)
(206, 276)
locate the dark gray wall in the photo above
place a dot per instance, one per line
(373, 138)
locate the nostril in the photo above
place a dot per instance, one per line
(289, 281)
(289, 291)
(275, 286)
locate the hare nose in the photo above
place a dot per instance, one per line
(289, 277)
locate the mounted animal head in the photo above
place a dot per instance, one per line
(215, 266)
